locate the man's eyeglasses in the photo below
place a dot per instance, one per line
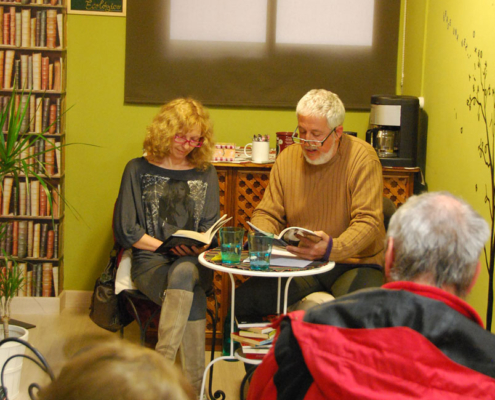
(310, 143)
(192, 142)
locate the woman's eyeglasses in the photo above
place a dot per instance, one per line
(192, 142)
(309, 143)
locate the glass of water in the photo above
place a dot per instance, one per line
(260, 250)
(231, 238)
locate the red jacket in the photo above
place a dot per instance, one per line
(380, 344)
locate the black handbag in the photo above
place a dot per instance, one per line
(107, 310)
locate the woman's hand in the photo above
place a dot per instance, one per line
(183, 250)
(310, 250)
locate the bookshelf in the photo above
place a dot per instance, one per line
(32, 63)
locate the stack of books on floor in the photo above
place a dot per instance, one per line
(255, 341)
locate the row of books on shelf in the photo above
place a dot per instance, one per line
(27, 2)
(31, 28)
(41, 115)
(39, 280)
(30, 71)
(19, 201)
(27, 239)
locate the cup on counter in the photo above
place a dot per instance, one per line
(260, 250)
(284, 139)
(260, 151)
(231, 238)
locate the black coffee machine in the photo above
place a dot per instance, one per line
(394, 126)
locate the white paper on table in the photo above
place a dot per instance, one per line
(282, 258)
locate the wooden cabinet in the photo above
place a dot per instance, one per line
(242, 187)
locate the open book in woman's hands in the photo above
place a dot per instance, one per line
(288, 236)
(192, 238)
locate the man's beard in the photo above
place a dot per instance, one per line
(324, 157)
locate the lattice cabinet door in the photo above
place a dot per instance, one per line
(250, 188)
(398, 186)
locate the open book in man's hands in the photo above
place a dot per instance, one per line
(192, 238)
(288, 235)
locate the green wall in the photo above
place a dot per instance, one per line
(95, 91)
(436, 67)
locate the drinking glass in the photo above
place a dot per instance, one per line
(231, 244)
(260, 250)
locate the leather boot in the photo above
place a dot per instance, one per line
(193, 350)
(173, 318)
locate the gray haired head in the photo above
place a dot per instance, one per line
(438, 238)
(322, 103)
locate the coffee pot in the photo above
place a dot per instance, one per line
(393, 129)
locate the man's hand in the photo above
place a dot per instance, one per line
(310, 250)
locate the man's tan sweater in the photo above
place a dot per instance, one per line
(343, 198)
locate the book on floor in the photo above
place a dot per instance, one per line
(244, 322)
(247, 349)
(251, 334)
(288, 235)
(192, 238)
(249, 340)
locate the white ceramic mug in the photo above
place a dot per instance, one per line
(260, 152)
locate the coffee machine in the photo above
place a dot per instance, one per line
(393, 129)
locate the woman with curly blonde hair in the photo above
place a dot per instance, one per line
(178, 146)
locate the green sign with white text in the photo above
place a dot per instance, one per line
(107, 7)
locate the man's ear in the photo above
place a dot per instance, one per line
(339, 131)
(475, 277)
(389, 257)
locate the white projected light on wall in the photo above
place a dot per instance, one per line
(218, 20)
(327, 22)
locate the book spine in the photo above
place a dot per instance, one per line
(8, 241)
(60, 29)
(43, 201)
(45, 64)
(22, 241)
(46, 113)
(24, 71)
(24, 109)
(32, 112)
(29, 283)
(17, 74)
(43, 240)
(23, 274)
(35, 196)
(55, 240)
(51, 29)
(47, 280)
(9, 66)
(6, 28)
(33, 32)
(26, 28)
(14, 201)
(2, 58)
(55, 203)
(38, 28)
(49, 244)
(12, 26)
(57, 76)
(37, 71)
(55, 280)
(50, 157)
(18, 24)
(43, 29)
(39, 279)
(50, 76)
(1, 24)
(15, 237)
(59, 116)
(39, 115)
(30, 238)
(22, 198)
(7, 191)
(36, 240)
(53, 119)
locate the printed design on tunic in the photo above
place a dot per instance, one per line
(172, 204)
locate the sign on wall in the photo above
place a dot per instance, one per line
(115, 8)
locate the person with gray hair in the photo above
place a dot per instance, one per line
(415, 337)
(444, 235)
(330, 183)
